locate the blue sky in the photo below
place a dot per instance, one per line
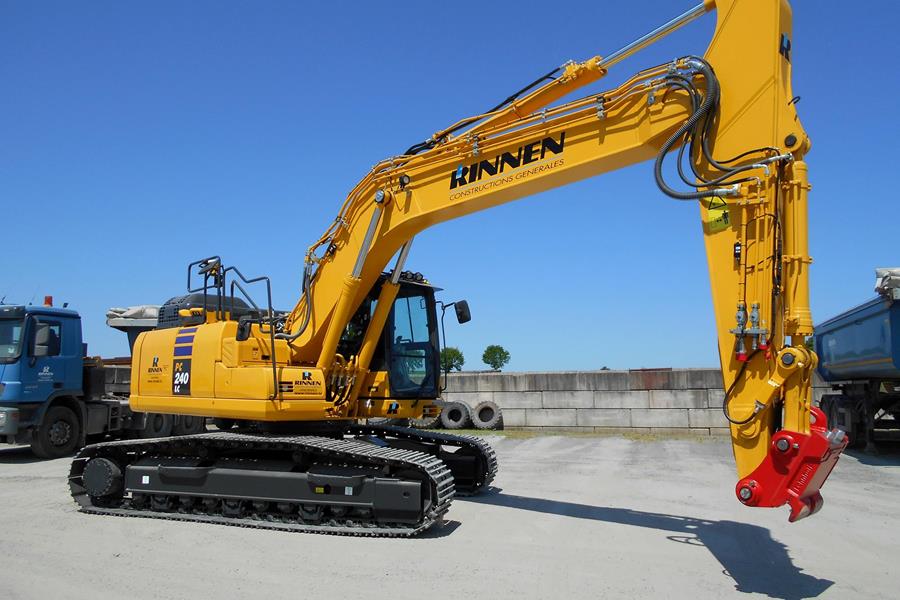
(137, 137)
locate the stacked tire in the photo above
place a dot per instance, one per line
(485, 415)
(455, 415)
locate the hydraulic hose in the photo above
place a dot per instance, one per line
(307, 294)
(430, 143)
(709, 101)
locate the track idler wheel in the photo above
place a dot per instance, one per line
(102, 478)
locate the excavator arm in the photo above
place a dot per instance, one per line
(732, 114)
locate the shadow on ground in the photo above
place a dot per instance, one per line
(887, 453)
(750, 556)
(18, 455)
(441, 531)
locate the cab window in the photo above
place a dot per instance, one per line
(412, 354)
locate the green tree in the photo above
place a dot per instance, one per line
(495, 357)
(452, 358)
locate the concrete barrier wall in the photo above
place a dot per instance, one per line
(653, 401)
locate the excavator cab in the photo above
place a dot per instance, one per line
(409, 348)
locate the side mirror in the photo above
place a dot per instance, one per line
(462, 311)
(41, 345)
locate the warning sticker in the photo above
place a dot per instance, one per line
(717, 219)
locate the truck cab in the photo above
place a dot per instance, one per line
(41, 367)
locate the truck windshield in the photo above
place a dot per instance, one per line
(10, 339)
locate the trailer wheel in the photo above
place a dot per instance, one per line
(157, 426)
(58, 435)
(189, 425)
(486, 415)
(847, 415)
(828, 405)
(455, 415)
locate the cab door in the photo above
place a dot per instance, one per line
(412, 345)
(44, 367)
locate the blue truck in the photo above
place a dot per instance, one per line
(54, 397)
(859, 356)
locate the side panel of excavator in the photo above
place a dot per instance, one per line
(207, 370)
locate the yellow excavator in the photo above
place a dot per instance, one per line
(362, 340)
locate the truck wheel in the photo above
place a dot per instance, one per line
(846, 414)
(486, 415)
(157, 426)
(58, 435)
(455, 415)
(189, 425)
(828, 405)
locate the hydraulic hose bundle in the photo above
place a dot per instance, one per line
(694, 134)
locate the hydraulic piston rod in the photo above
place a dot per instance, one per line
(660, 32)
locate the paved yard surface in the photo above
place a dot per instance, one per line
(571, 517)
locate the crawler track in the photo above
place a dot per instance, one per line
(485, 458)
(391, 463)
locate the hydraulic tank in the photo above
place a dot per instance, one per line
(861, 343)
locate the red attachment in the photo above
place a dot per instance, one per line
(742, 356)
(764, 344)
(795, 469)
(48, 300)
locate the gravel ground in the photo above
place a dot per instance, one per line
(570, 517)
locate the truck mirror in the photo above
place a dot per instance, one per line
(462, 311)
(41, 346)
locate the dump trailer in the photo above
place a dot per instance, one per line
(859, 355)
(53, 396)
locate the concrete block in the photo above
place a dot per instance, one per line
(513, 417)
(517, 400)
(621, 399)
(500, 382)
(659, 417)
(722, 431)
(650, 380)
(715, 397)
(700, 430)
(562, 381)
(462, 382)
(699, 379)
(603, 417)
(554, 417)
(707, 417)
(468, 398)
(678, 398)
(602, 380)
(580, 399)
